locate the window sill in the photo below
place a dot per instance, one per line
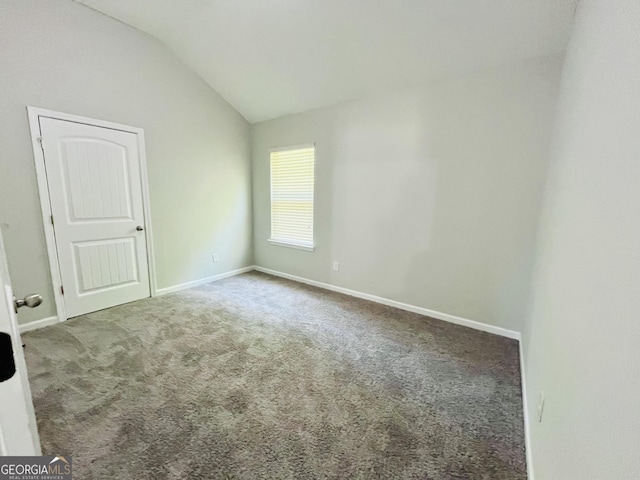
(306, 248)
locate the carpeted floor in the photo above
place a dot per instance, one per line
(255, 377)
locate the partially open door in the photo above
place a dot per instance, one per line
(18, 429)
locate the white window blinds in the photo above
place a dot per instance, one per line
(292, 179)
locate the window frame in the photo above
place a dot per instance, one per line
(282, 243)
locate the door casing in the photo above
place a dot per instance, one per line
(34, 114)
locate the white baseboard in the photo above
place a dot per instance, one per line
(527, 423)
(35, 324)
(202, 281)
(403, 306)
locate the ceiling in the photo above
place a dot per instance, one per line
(269, 58)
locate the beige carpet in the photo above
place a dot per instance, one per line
(256, 377)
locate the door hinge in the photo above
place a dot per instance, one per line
(51, 219)
(40, 142)
(61, 289)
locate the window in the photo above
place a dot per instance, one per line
(292, 180)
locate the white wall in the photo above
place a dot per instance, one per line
(59, 55)
(582, 340)
(429, 197)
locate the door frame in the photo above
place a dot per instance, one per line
(34, 114)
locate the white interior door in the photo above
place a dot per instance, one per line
(95, 189)
(18, 430)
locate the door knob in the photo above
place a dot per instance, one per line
(139, 228)
(31, 301)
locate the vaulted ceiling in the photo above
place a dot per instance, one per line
(269, 58)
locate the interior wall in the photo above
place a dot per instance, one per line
(582, 341)
(429, 197)
(62, 56)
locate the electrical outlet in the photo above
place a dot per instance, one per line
(540, 407)
(336, 266)
(216, 257)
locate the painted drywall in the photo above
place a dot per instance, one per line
(429, 197)
(274, 58)
(60, 55)
(582, 341)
